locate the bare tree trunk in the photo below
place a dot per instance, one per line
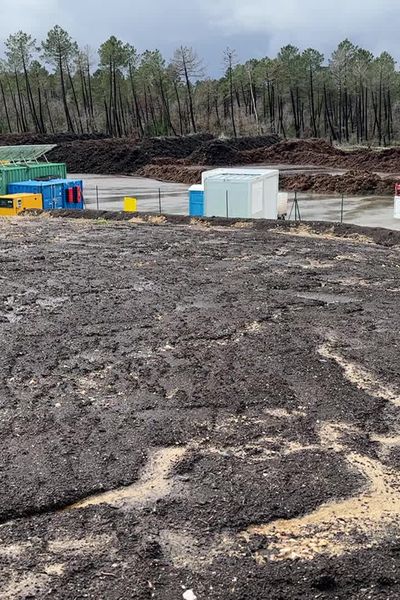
(189, 90)
(21, 105)
(5, 107)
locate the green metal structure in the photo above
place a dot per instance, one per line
(20, 163)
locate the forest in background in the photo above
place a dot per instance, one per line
(53, 86)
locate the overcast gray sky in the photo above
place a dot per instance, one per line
(253, 27)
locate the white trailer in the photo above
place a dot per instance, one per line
(241, 193)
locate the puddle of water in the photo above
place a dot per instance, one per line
(370, 211)
(154, 483)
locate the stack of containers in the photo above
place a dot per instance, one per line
(16, 173)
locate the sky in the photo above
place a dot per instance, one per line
(254, 28)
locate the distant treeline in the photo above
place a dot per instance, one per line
(55, 86)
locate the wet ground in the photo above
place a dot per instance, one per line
(195, 411)
(368, 211)
(107, 191)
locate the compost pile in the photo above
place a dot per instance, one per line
(320, 153)
(17, 139)
(173, 173)
(353, 182)
(252, 143)
(122, 155)
(229, 152)
(311, 151)
(217, 153)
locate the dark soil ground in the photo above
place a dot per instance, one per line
(194, 409)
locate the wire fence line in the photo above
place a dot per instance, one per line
(159, 200)
(301, 206)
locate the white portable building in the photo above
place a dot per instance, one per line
(241, 193)
(397, 207)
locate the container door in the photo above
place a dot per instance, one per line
(57, 196)
(215, 199)
(257, 199)
(238, 200)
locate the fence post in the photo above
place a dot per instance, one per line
(297, 215)
(159, 200)
(97, 197)
(342, 209)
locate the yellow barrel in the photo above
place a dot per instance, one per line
(130, 204)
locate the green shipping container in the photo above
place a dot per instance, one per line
(56, 170)
(11, 175)
(17, 173)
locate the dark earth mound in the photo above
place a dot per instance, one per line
(17, 139)
(352, 183)
(320, 153)
(228, 152)
(122, 156)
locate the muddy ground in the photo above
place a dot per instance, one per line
(195, 411)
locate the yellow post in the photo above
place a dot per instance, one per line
(130, 204)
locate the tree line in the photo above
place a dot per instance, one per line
(56, 86)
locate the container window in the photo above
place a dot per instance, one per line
(6, 203)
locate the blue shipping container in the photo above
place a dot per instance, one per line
(196, 201)
(52, 191)
(55, 192)
(73, 194)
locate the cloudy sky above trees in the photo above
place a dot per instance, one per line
(255, 28)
